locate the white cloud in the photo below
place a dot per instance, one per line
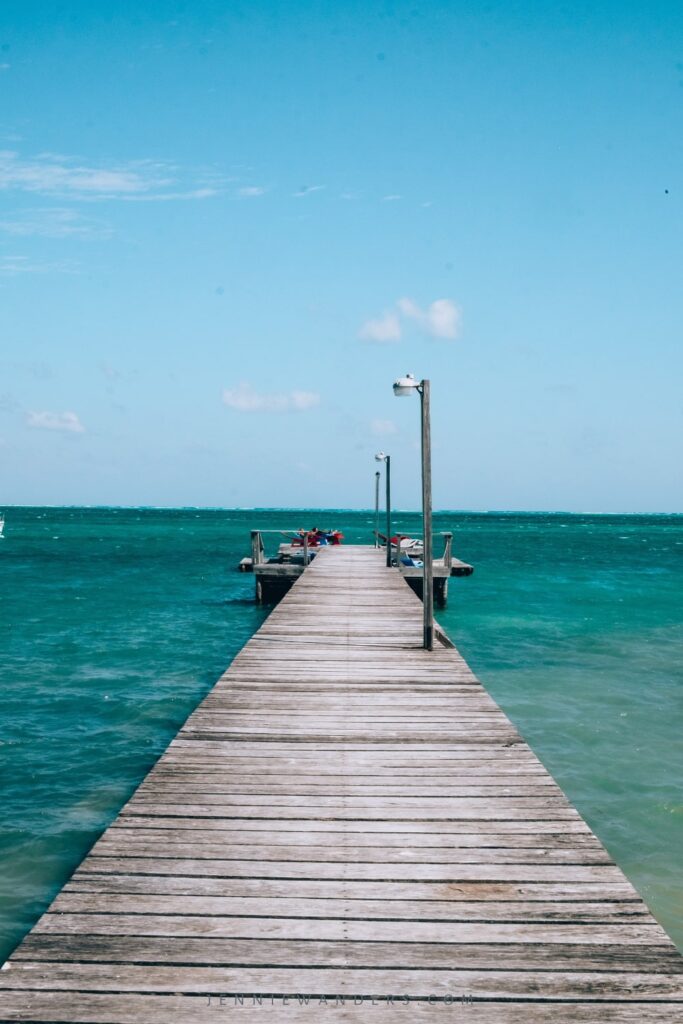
(244, 399)
(250, 191)
(382, 428)
(11, 265)
(409, 309)
(391, 198)
(383, 328)
(58, 175)
(53, 223)
(306, 190)
(301, 400)
(15, 265)
(162, 197)
(441, 319)
(67, 422)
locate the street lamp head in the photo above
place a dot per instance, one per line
(380, 457)
(405, 385)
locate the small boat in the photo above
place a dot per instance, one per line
(2, 527)
(409, 545)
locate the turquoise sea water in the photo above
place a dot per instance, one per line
(116, 622)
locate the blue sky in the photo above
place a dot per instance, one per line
(226, 228)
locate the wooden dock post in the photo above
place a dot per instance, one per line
(257, 558)
(346, 823)
(448, 550)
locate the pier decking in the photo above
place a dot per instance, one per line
(351, 819)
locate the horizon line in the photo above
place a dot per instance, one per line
(331, 508)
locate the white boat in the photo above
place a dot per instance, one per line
(2, 527)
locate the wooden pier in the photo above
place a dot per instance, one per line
(274, 576)
(348, 827)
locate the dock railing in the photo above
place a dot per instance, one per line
(258, 550)
(259, 555)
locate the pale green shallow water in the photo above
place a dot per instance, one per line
(115, 623)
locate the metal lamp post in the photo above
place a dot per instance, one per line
(377, 475)
(386, 459)
(402, 387)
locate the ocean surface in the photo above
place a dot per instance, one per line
(114, 623)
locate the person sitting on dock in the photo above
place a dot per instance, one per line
(315, 537)
(324, 537)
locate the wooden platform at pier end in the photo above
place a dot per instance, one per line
(347, 828)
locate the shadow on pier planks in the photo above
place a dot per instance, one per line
(351, 819)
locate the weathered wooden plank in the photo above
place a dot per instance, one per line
(332, 929)
(417, 830)
(92, 1008)
(465, 811)
(532, 984)
(401, 755)
(111, 846)
(607, 911)
(235, 733)
(363, 841)
(356, 870)
(321, 782)
(560, 893)
(172, 789)
(496, 802)
(265, 951)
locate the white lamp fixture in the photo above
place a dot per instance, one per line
(405, 385)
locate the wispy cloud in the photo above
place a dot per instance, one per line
(54, 222)
(164, 197)
(54, 174)
(383, 428)
(66, 422)
(307, 190)
(243, 398)
(391, 198)
(251, 191)
(12, 265)
(441, 319)
(382, 328)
